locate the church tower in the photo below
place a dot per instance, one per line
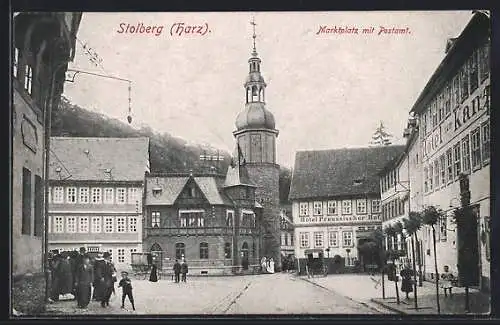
(256, 137)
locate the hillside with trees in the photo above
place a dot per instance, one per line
(168, 154)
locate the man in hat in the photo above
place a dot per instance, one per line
(107, 279)
(99, 265)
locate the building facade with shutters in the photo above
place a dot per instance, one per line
(453, 112)
(213, 221)
(335, 197)
(42, 46)
(96, 194)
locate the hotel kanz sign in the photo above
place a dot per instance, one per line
(479, 103)
(339, 219)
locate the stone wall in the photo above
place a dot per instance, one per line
(28, 294)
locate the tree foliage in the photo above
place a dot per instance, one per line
(381, 137)
(431, 215)
(413, 223)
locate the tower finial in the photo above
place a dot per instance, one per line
(254, 36)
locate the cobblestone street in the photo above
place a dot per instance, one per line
(259, 294)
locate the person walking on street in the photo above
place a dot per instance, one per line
(66, 275)
(184, 269)
(83, 282)
(177, 271)
(99, 265)
(126, 285)
(406, 280)
(107, 280)
(153, 277)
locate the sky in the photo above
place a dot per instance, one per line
(326, 90)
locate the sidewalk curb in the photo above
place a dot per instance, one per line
(388, 307)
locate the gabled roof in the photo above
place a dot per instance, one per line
(339, 172)
(168, 188)
(97, 159)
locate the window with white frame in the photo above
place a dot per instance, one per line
(436, 173)
(108, 225)
(109, 197)
(318, 239)
(132, 251)
(58, 195)
(318, 208)
(133, 195)
(83, 194)
(333, 240)
(347, 239)
(346, 207)
(457, 159)
(16, 61)
(431, 177)
(229, 218)
(442, 166)
(121, 196)
(121, 224)
(476, 148)
(83, 225)
(304, 239)
(426, 179)
(449, 164)
(155, 219)
(71, 224)
(332, 207)
(485, 141)
(71, 195)
(132, 224)
(375, 206)
(303, 209)
(58, 224)
(96, 224)
(466, 154)
(121, 255)
(361, 206)
(96, 195)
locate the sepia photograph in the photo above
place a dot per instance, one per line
(250, 163)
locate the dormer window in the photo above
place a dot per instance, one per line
(157, 190)
(107, 174)
(358, 181)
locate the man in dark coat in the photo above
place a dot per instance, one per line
(406, 282)
(56, 277)
(177, 271)
(99, 265)
(66, 274)
(107, 280)
(184, 270)
(84, 279)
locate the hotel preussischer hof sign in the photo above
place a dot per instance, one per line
(339, 219)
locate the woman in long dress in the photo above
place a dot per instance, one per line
(271, 265)
(153, 277)
(406, 281)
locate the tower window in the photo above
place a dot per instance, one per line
(28, 79)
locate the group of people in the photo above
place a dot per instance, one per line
(180, 269)
(267, 265)
(73, 273)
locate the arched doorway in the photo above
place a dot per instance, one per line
(244, 256)
(156, 255)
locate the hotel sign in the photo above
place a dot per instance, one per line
(339, 219)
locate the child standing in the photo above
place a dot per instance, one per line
(126, 285)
